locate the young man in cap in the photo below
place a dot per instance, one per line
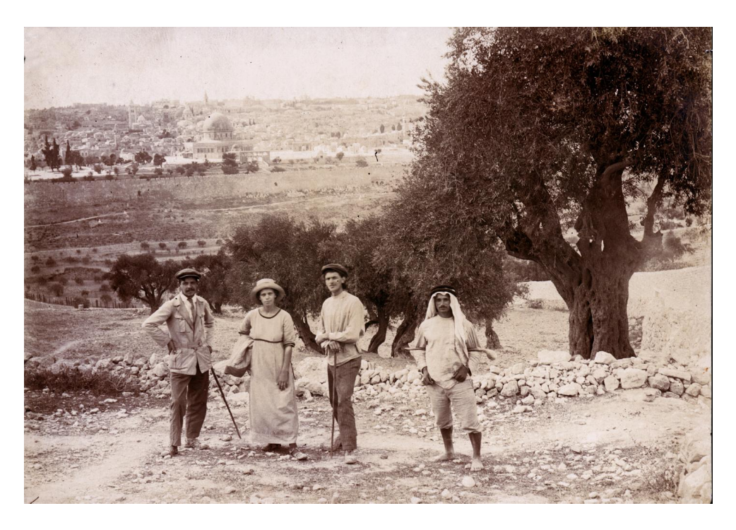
(342, 323)
(189, 341)
(446, 346)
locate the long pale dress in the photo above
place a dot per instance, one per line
(273, 412)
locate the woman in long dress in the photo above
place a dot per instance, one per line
(273, 409)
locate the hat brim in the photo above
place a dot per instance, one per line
(335, 267)
(280, 293)
(184, 277)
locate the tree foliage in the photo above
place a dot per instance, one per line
(539, 130)
(290, 253)
(143, 278)
(51, 154)
(142, 157)
(213, 285)
(229, 164)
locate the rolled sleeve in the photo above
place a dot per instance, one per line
(321, 335)
(355, 328)
(152, 325)
(419, 350)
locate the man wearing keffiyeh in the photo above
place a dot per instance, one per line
(446, 351)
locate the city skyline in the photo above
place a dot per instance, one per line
(64, 66)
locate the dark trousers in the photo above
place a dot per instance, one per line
(343, 409)
(188, 398)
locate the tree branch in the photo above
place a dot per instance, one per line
(652, 204)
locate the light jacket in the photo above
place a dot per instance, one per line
(190, 338)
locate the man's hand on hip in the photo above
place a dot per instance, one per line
(461, 374)
(426, 379)
(172, 347)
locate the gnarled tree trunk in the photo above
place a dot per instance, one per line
(492, 340)
(405, 331)
(380, 336)
(593, 282)
(302, 328)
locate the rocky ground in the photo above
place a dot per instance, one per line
(617, 448)
(556, 429)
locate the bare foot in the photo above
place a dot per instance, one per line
(446, 457)
(476, 464)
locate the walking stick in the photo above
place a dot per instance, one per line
(334, 407)
(225, 400)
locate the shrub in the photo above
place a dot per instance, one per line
(70, 378)
(81, 300)
(361, 162)
(63, 280)
(182, 244)
(86, 260)
(340, 155)
(145, 246)
(35, 269)
(42, 281)
(50, 262)
(536, 304)
(85, 293)
(201, 242)
(277, 169)
(104, 288)
(71, 259)
(218, 242)
(94, 251)
(79, 281)
(56, 289)
(34, 258)
(79, 251)
(162, 246)
(106, 299)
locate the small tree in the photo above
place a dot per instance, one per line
(79, 281)
(182, 244)
(361, 162)
(106, 299)
(143, 278)
(158, 171)
(340, 155)
(251, 167)
(213, 286)
(67, 172)
(34, 165)
(294, 262)
(202, 243)
(382, 128)
(56, 289)
(229, 164)
(51, 154)
(162, 245)
(142, 157)
(158, 159)
(97, 168)
(180, 170)
(145, 246)
(50, 262)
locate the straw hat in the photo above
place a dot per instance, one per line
(267, 283)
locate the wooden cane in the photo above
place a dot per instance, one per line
(225, 400)
(334, 407)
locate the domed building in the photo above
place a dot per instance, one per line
(218, 138)
(217, 127)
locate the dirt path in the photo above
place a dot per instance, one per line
(614, 448)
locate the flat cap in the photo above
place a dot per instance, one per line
(335, 267)
(188, 273)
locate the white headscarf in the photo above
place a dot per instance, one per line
(461, 346)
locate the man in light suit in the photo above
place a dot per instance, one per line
(189, 341)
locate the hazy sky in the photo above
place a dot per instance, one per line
(115, 65)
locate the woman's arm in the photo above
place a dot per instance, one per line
(283, 378)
